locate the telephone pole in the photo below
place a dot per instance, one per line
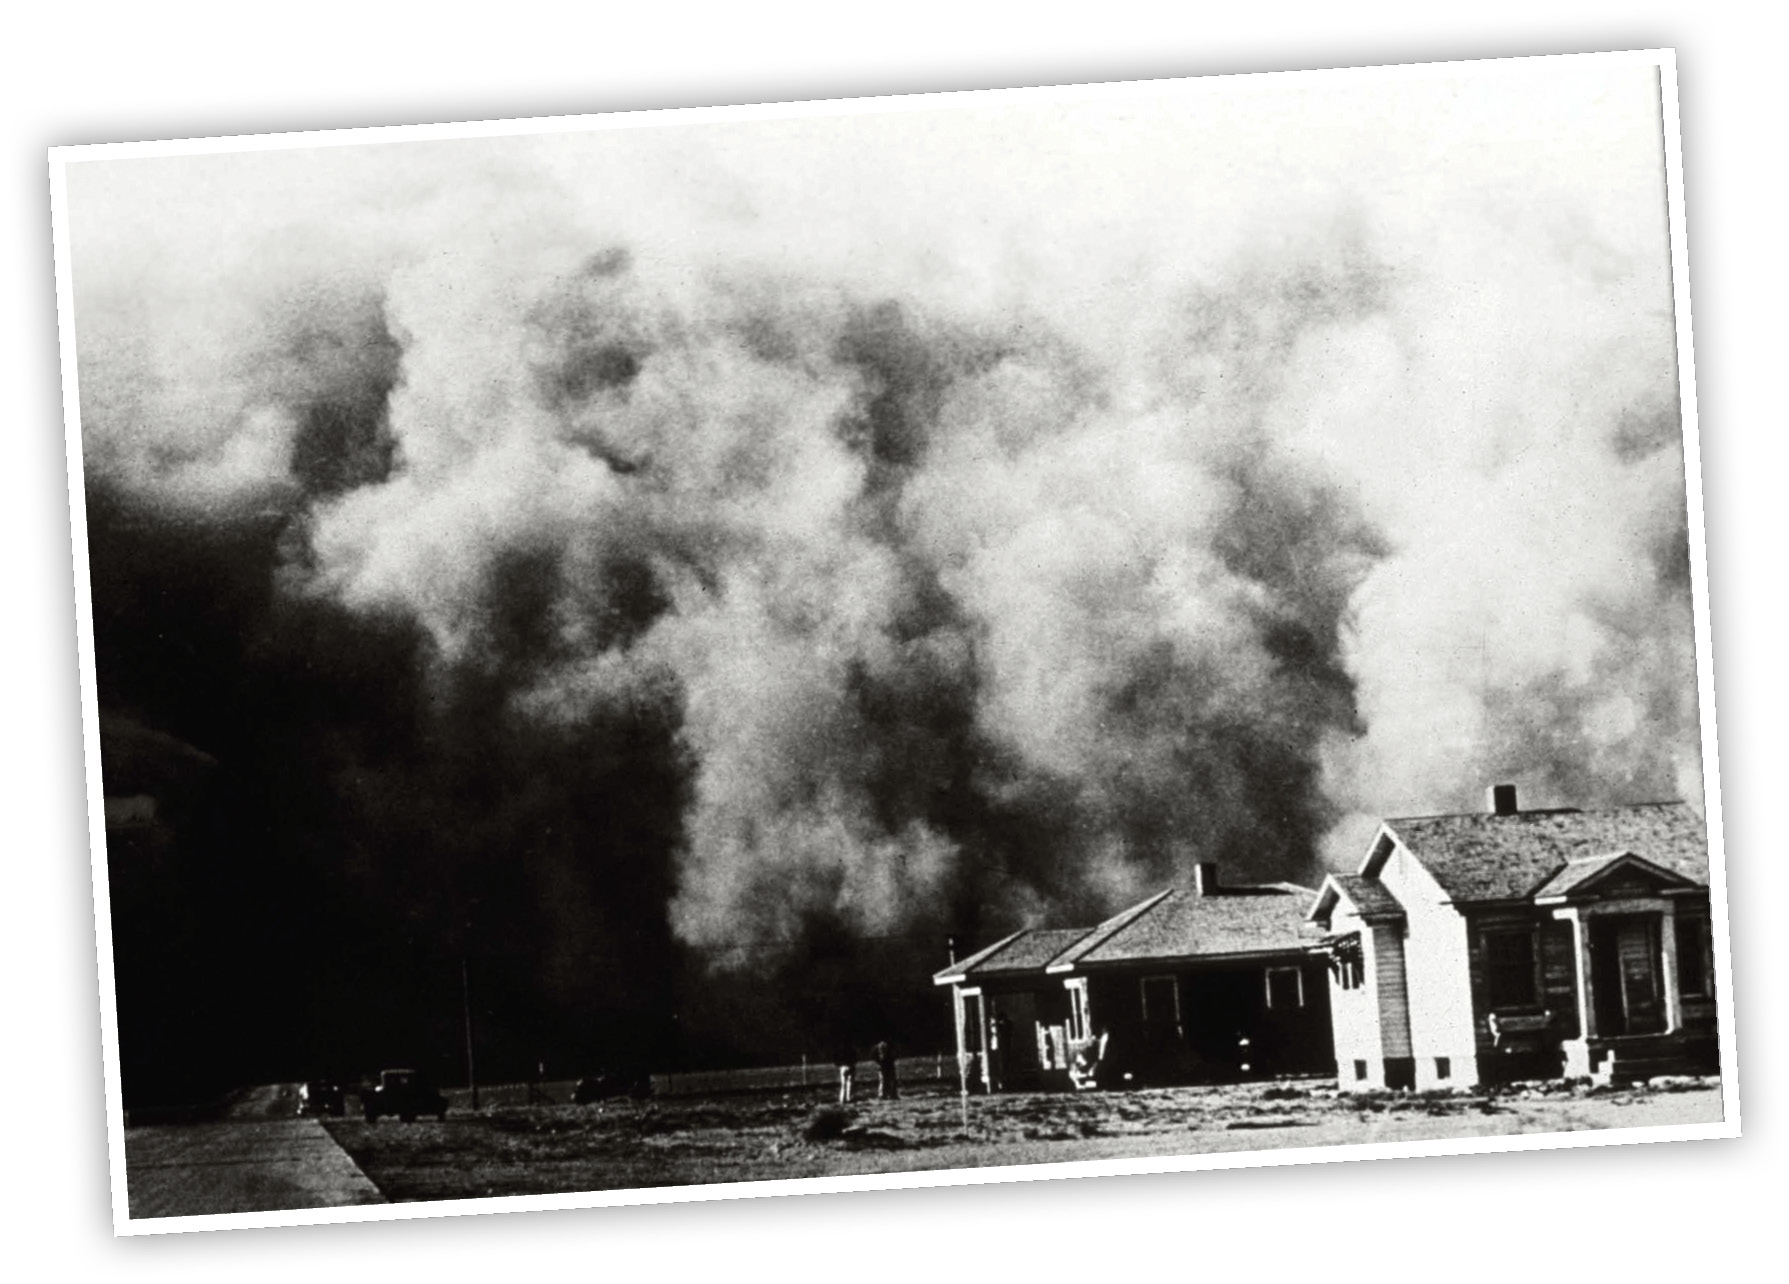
(466, 1009)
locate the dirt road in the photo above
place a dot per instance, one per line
(240, 1166)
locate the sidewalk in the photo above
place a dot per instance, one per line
(240, 1166)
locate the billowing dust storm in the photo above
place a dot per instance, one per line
(1006, 504)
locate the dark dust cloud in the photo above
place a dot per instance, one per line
(690, 572)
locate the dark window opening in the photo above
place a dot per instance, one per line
(1285, 987)
(1346, 960)
(1510, 980)
(1360, 1070)
(1444, 1068)
(972, 1023)
(1161, 999)
(1692, 958)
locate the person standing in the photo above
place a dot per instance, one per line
(886, 1087)
(845, 1058)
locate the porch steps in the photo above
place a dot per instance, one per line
(1630, 1060)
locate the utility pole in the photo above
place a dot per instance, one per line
(466, 1009)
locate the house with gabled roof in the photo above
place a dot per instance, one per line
(1510, 944)
(1205, 982)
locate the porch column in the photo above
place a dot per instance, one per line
(1668, 953)
(956, 995)
(1586, 987)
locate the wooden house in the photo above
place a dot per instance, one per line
(1510, 944)
(1193, 984)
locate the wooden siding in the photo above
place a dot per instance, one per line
(1699, 1010)
(1554, 1006)
(1529, 1034)
(1392, 990)
(1559, 976)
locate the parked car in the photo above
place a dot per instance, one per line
(406, 1094)
(321, 1097)
(606, 1085)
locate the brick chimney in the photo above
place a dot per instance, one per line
(1205, 878)
(1500, 800)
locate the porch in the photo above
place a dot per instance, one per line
(1636, 1016)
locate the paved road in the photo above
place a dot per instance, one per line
(240, 1166)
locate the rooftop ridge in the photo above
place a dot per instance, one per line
(1109, 928)
(1484, 857)
(1536, 811)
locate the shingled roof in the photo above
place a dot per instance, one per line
(1182, 924)
(1369, 896)
(1027, 951)
(1488, 857)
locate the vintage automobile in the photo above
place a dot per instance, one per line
(321, 1097)
(406, 1094)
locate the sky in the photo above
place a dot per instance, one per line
(814, 531)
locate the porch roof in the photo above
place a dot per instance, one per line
(1586, 871)
(1486, 857)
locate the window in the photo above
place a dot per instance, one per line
(1079, 1026)
(1285, 987)
(1692, 958)
(1360, 1071)
(1346, 961)
(1510, 980)
(1444, 1068)
(1161, 999)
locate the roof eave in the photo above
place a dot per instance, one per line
(961, 969)
(1575, 897)
(1380, 852)
(1324, 906)
(1279, 951)
(1489, 902)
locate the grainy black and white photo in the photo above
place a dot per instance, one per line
(895, 636)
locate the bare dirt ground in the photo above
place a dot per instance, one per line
(549, 1149)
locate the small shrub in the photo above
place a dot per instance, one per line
(826, 1124)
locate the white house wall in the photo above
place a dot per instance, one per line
(1354, 1014)
(1437, 972)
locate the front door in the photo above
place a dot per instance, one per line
(1627, 972)
(1012, 1036)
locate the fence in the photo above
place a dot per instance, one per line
(916, 1072)
(922, 1073)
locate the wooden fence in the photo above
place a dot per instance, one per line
(921, 1073)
